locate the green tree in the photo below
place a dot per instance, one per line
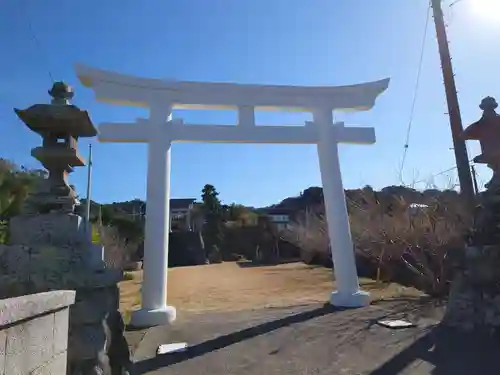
(130, 230)
(210, 199)
(214, 218)
(106, 214)
(15, 184)
(237, 211)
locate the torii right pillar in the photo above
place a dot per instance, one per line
(348, 293)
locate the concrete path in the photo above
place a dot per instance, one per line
(317, 340)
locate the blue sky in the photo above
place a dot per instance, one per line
(298, 42)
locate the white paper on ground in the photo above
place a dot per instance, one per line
(172, 348)
(396, 323)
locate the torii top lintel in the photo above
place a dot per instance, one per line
(123, 89)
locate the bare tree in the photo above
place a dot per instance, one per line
(401, 245)
(309, 233)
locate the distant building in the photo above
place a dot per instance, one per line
(181, 214)
(279, 217)
(416, 208)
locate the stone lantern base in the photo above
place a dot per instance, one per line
(474, 300)
(53, 252)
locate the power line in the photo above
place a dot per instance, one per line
(38, 43)
(436, 175)
(441, 173)
(455, 2)
(415, 94)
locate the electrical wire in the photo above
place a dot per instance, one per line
(415, 93)
(38, 43)
(455, 2)
(440, 173)
(436, 175)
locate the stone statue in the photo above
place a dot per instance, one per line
(487, 132)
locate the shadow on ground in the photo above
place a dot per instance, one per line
(325, 340)
(223, 341)
(449, 352)
(251, 263)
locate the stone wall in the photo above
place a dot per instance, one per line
(34, 333)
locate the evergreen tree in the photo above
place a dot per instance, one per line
(214, 218)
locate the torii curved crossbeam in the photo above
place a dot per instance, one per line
(123, 89)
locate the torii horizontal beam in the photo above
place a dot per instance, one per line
(176, 131)
(123, 89)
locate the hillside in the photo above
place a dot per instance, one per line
(311, 198)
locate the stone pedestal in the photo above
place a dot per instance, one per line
(51, 252)
(474, 301)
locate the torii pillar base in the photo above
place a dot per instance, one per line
(353, 300)
(144, 318)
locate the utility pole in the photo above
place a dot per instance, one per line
(89, 190)
(461, 157)
(474, 179)
(100, 216)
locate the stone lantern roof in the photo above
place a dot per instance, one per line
(60, 124)
(59, 117)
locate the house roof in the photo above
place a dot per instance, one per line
(182, 203)
(277, 211)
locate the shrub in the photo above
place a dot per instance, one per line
(96, 236)
(408, 246)
(310, 234)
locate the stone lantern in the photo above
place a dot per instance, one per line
(474, 300)
(49, 248)
(60, 124)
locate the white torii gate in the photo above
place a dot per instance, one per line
(159, 131)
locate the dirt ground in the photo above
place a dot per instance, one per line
(239, 286)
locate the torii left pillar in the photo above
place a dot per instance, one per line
(154, 309)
